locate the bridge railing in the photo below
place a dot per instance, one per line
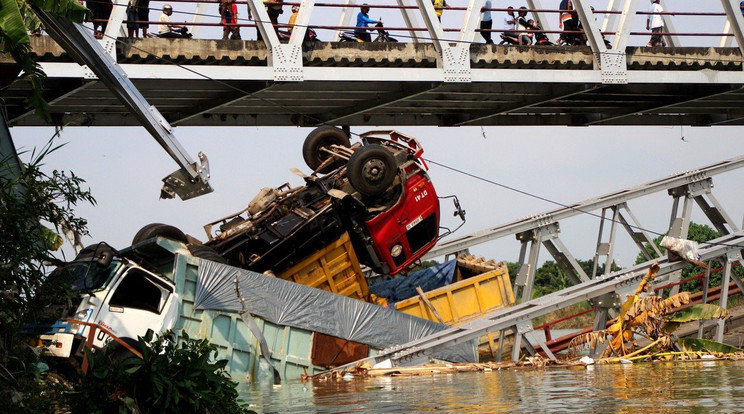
(204, 14)
(420, 23)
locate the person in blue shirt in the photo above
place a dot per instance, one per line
(741, 7)
(362, 21)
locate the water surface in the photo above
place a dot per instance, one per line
(663, 387)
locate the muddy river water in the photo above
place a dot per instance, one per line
(696, 387)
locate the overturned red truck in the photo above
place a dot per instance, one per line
(377, 191)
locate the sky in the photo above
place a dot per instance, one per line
(123, 168)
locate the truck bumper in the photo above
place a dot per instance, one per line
(59, 344)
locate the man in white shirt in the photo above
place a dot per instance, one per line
(510, 23)
(486, 23)
(655, 23)
(166, 29)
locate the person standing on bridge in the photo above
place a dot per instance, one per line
(486, 23)
(229, 19)
(143, 15)
(363, 20)
(655, 22)
(132, 26)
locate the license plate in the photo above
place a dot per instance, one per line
(416, 221)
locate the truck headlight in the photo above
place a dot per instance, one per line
(80, 316)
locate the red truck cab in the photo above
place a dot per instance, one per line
(409, 229)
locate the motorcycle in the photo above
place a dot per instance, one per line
(382, 35)
(310, 35)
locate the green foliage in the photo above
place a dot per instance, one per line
(695, 313)
(705, 345)
(551, 278)
(171, 377)
(29, 197)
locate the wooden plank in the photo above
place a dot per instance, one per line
(425, 300)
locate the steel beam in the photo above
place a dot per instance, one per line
(344, 20)
(735, 21)
(409, 18)
(114, 27)
(199, 12)
(382, 101)
(557, 93)
(696, 96)
(731, 258)
(192, 179)
(226, 99)
(593, 204)
(625, 25)
(516, 317)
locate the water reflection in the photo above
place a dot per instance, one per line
(701, 386)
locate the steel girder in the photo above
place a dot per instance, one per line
(192, 179)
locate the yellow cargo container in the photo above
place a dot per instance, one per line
(334, 268)
(465, 300)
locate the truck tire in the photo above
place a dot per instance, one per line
(318, 139)
(207, 253)
(89, 251)
(159, 229)
(117, 353)
(371, 169)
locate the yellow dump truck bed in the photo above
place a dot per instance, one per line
(334, 268)
(462, 301)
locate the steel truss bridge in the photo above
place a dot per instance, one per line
(442, 76)
(447, 81)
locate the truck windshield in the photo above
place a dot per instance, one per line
(84, 275)
(423, 233)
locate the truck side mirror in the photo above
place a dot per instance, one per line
(458, 210)
(106, 257)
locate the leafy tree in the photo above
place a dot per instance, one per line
(171, 377)
(551, 278)
(28, 199)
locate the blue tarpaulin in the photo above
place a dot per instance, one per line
(430, 278)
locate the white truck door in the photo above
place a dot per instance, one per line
(139, 301)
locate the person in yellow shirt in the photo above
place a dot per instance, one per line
(293, 17)
(439, 5)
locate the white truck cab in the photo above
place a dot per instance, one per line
(114, 293)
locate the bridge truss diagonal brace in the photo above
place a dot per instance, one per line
(735, 21)
(547, 235)
(454, 59)
(731, 258)
(264, 26)
(611, 63)
(114, 27)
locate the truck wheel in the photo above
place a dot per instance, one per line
(117, 352)
(207, 253)
(371, 169)
(89, 251)
(159, 229)
(320, 138)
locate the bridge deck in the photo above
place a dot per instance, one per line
(215, 82)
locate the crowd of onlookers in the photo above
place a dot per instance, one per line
(517, 28)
